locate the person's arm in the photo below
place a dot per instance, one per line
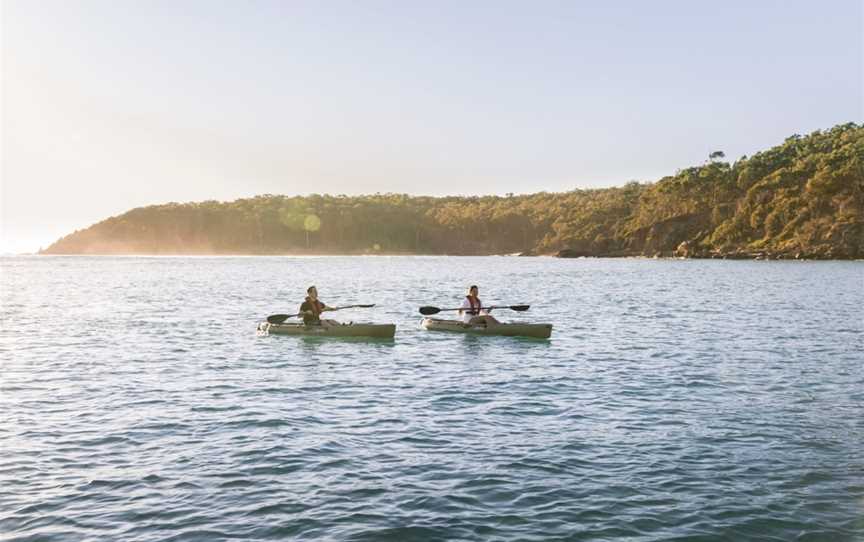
(304, 308)
(465, 305)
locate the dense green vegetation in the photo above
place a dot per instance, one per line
(802, 198)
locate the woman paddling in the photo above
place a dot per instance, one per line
(312, 308)
(472, 310)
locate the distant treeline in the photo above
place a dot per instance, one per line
(803, 198)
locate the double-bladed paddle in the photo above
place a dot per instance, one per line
(427, 311)
(279, 318)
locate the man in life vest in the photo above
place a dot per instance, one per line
(312, 308)
(472, 311)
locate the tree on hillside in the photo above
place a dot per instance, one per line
(805, 195)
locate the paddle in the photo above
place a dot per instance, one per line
(279, 318)
(427, 311)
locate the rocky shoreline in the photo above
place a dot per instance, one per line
(685, 252)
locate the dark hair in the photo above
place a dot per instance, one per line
(473, 287)
(309, 289)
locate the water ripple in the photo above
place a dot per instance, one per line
(675, 401)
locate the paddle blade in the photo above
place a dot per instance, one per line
(278, 318)
(429, 310)
(520, 308)
(365, 306)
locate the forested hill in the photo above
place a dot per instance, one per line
(802, 198)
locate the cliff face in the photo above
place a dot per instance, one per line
(803, 198)
(666, 236)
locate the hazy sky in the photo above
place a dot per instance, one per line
(109, 105)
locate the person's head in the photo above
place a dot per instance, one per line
(473, 291)
(313, 292)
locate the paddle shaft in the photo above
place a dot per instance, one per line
(481, 308)
(331, 309)
(435, 310)
(279, 318)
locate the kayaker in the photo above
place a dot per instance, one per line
(472, 311)
(312, 308)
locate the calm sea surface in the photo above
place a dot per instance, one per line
(687, 400)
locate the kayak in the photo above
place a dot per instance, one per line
(378, 331)
(514, 329)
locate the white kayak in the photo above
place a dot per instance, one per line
(513, 329)
(378, 331)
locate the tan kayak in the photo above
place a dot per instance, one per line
(378, 331)
(514, 329)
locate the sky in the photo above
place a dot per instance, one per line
(110, 105)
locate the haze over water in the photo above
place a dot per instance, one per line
(695, 400)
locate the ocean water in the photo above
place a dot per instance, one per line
(676, 400)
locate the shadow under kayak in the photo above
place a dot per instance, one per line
(515, 329)
(378, 331)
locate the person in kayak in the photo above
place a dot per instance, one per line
(312, 308)
(472, 311)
